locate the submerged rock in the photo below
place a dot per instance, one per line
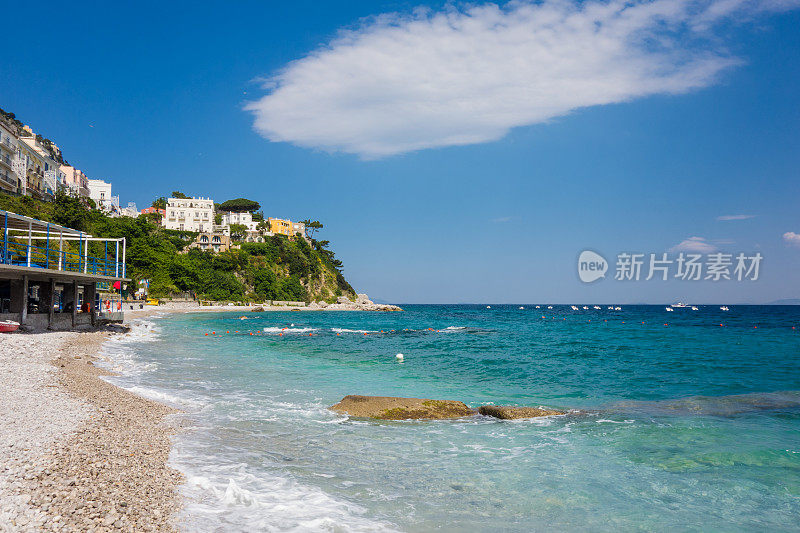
(393, 408)
(510, 413)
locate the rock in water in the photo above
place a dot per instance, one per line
(392, 408)
(511, 413)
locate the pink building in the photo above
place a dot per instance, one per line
(162, 212)
(76, 181)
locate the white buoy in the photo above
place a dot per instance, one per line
(399, 357)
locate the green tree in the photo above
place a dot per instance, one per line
(311, 227)
(160, 203)
(238, 232)
(240, 205)
(179, 194)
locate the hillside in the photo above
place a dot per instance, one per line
(278, 269)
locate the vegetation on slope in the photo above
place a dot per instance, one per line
(278, 269)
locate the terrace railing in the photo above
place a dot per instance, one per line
(45, 249)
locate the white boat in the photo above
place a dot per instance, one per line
(597, 307)
(694, 308)
(549, 306)
(679, 305)
(611, 307)
(538, 306)
(617, 309)
(585, 307)
(669, 309)
(574, 307)
(488, 307)
(724, 308)
(522, 308)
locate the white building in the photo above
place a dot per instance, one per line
(9, 164)
(130, 211)
(100, 192)
(189, 214)
(245, 219)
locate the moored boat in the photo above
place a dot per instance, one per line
(7, 326)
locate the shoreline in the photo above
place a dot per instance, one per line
(83, 454)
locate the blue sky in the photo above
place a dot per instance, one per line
(454, 154)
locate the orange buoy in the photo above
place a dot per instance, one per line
(213, 332)
(206, 334)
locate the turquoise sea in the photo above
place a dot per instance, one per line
(684, 420)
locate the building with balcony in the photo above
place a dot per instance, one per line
(245, 219)
(9, 165)
(32, 165)
(77, 183)
(100, 193)
(212, 242)
(280, 226)
(189, 214)
(49, 178)
(156, 210)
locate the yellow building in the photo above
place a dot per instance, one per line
(280, 227)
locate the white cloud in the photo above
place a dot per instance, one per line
(398, 83)
(735, 217)
(694, 244)
(792, 238)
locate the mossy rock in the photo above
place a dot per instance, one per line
(395, 408)
(510, 413)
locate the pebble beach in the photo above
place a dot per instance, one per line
(77, 453)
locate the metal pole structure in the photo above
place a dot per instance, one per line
(5, 242)
(47, 248)
(30, 227)
(123, 257)
(116, 261)
(86, 257)
(80, 251)
(105, 262)
(60, 248)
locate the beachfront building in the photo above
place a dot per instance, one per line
(100, 193)
(9, 164)
(50, 274)
(76, 182)
(279, 226)
(245, 219)
(213, 242)
(189, 214)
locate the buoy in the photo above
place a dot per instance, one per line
(399, 357)
(206, 334)
(338, 334)
(310, 334)
(213, 332)
(228, 331)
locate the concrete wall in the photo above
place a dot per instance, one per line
(61, 321)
